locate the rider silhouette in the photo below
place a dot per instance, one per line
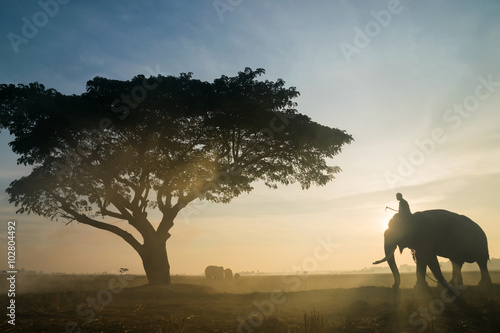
(404, 208)
(404, 211)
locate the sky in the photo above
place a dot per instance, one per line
(416, 83)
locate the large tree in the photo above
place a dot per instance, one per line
(125, 148)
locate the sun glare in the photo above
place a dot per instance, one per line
(384, 222)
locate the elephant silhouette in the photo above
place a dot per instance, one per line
(214, 272)
(435, 233)
(228, 274)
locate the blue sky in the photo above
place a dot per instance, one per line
(399, 91)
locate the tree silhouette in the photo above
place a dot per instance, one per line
(125, 148)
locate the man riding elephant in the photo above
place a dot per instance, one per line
(404, 207)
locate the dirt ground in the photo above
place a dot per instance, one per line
(315, 303)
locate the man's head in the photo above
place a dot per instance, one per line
(399, 196)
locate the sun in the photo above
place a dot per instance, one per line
(384, 221)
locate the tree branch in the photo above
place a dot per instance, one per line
(101, 225)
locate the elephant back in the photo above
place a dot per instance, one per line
(214, 272)
(457, 236)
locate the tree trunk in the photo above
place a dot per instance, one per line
(155, 261)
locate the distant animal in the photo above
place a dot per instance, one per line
(228, 274)
(214, 272)
(237, 276)
(123, 270)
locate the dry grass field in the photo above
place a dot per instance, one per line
(315, 303)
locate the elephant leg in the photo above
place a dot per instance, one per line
(421, 269)
(485, 275)
(457, 272)
(436, 270)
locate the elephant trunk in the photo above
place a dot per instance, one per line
(389, 254)
(391, 241)
(389, 257)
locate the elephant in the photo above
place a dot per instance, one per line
(214, 272)
(228, 274)
(433, 233)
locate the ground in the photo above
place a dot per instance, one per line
(314, 303)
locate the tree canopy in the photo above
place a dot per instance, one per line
(125, 147)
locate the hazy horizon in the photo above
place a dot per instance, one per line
(420, 96)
